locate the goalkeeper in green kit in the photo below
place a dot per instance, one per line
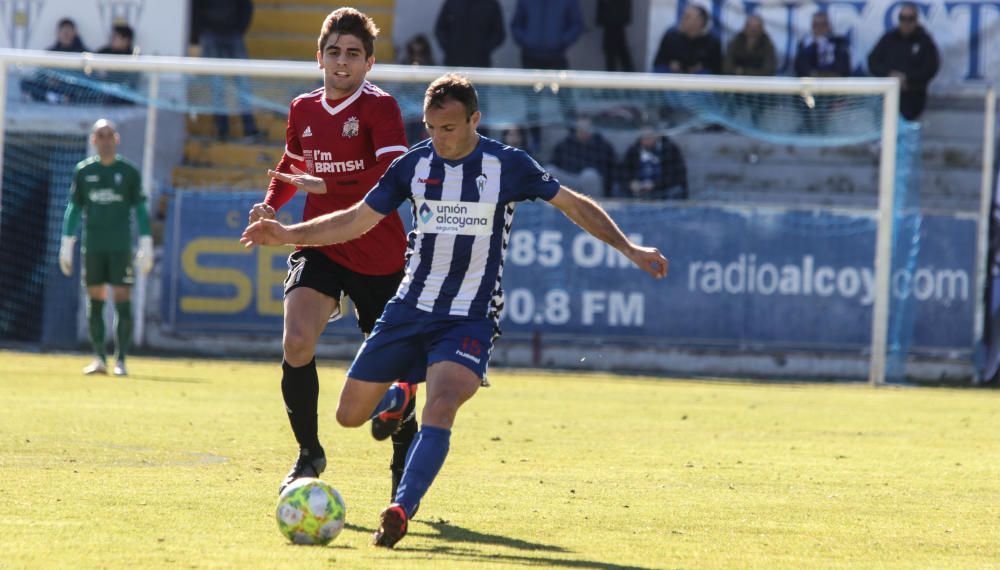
(106, 188)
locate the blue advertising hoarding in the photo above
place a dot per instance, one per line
(748, 277)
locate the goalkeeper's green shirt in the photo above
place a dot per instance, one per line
(107, 195)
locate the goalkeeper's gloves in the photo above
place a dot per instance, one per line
(66, 255)
(144, 257)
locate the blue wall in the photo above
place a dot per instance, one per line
(740, 277)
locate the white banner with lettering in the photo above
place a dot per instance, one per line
(161, 26)
(967, 32)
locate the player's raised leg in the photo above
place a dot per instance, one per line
(399, 405)
(306, 314)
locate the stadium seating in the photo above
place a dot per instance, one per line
(281, 29)
(287, 29)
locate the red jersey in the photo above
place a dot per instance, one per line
(348, 143)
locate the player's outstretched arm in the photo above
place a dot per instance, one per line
(301, 180)
(335, 227)
(590, 216)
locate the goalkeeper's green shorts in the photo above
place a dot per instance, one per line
(114, 268)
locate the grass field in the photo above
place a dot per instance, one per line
(178, 466)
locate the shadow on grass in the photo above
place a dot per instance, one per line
(454, 535)
(173, 379)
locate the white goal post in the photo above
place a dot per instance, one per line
(887, 89)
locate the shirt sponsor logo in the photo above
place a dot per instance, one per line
(321, 162)
(351, 127)
(455, 217)
(105, 196)
(91, 178)
(308, 132)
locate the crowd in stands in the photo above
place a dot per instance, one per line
(63, 86)
(469, 31)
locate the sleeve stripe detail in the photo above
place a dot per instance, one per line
(293, 155)
(385, 149)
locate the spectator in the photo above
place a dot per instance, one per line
(220, 25)
(516, 136)
(469, 31)
(122, 43)
(545, 29)
(122, 38)
(689, 47)
(585, 160)
(614, 16)
(751, 51)
(50, 85)
(909, 53)
(67, 38)
(418, 51)
(654, 168)
(822, 54)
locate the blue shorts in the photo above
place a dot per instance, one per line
(406, 341)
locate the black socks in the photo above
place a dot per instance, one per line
(300, 389)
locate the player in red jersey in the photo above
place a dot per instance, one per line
(346, 133)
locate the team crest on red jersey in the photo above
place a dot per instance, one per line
(351, 127)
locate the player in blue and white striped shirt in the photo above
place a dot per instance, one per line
(441, 324)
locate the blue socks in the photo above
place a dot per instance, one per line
(425, 459)
(392, 400)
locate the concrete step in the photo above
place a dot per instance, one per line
(301, 47)
(736, 148)
(187, 176)
(948, 124)
(206, 152)
(366, 6)
(307, 20)
(803, 199)
(270, 124)
(829, 184)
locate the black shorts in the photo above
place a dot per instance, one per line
(311, 268)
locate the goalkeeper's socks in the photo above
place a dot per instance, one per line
(95, 319)
(425, 459)
(300, 389)
(393, 401)
(123, 330)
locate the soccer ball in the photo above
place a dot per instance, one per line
(310, 512)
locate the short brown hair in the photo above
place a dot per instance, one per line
(351, 22)
(452, 86)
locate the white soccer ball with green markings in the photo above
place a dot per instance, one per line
(310, 512)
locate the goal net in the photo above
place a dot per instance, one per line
(791, 211)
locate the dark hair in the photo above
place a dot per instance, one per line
(352, 23)
(419, 40)
(124, 30)
(452, 86)
(66, 22)
(911, 6)
(705, 18)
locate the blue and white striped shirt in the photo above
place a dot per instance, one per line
(462, 214)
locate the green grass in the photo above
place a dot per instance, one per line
(178, 466)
